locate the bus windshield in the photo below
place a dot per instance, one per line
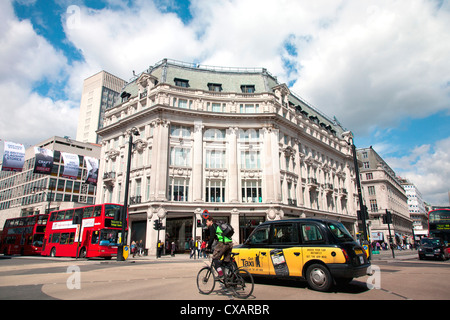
(111, 210)
(108, 237)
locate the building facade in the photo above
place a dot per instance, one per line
(416, 208)
(232, 141)
(383, 191)
(100, 92)
(26, 193)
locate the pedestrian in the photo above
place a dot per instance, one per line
(203, 248)
(192, 248)
(133, 248)
(140, 247)
(159, 249)
(172, 249)
(199, 248)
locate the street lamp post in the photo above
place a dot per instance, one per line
(133, 131)
(362, 207)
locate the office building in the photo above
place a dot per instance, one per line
(26, 193)
(382, 190)
(232, 141)
(100, 92)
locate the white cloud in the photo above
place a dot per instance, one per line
(26, 59)
(132, 38)
(379, 61)
(427, 166)
(369, 63)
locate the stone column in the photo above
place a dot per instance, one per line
(160, 160)
(197, 166)
(233, 172)
(234, 222)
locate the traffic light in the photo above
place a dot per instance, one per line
(199, 223)
(156, 225)
(387, 218)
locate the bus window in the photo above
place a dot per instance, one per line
(64, 238)
(79, 212)
(71, 237)
(69, 215)
(112, 211)
(60, 215)
(55, 238)
(94, 239)
(88, 212)
(97, 211)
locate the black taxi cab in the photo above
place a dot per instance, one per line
(321, 251)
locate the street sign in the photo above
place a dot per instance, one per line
(126, 252)
(205, 214)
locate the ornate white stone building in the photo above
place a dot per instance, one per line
(382, 190)
(232, 141)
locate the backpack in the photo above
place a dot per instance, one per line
(227, 229)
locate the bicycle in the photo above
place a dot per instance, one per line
(239, 280)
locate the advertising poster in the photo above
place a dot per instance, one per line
(13, 157)
(92, 168)
(44, 160)
(71, 165)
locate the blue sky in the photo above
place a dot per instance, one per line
(380, 66)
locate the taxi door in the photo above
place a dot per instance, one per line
(286, 253)
(254, 254)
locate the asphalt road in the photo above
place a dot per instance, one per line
(174, 279)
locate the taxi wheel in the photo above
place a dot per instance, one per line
(318, 277)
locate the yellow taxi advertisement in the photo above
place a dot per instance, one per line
(321, 251)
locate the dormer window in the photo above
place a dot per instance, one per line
(181, 82)
(125, 96)
(248, 88)
(217, 87)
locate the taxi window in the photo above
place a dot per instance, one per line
(311, 234)
(286, 233)
(259, 236)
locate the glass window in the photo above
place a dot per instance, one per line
(311, 234)
(88, 212)
(69, 214)
(55, 238)
(111, 210)
(340, 232)
(286, 233)
(180, 156)
(259, 236)
(97, 211)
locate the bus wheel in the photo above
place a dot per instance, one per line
(53, 252)
(83, 253)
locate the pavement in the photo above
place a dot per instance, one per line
(386, 255)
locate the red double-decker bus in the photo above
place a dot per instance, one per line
(100, 232)
(439, 224)
(23, 235)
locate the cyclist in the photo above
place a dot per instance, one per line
(223, 247)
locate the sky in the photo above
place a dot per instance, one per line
(381, 67)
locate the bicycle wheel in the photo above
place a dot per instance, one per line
(206, 280)
(241, 282)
